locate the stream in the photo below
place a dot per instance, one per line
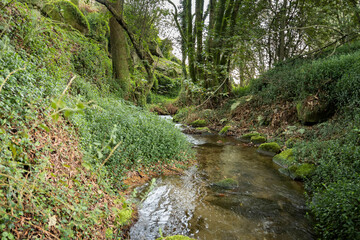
(264, 205)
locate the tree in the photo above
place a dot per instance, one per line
(119, 54)
(143, 54)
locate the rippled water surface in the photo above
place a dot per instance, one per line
(265, 205)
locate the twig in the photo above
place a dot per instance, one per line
(67, 87)
(8, 76)
(108, 157)
(7, 5)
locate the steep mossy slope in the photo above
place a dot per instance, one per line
(66, 138)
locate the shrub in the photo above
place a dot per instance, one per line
(240, 91)
(336, 210)
(145, 140)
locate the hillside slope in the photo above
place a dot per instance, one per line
(68, 140)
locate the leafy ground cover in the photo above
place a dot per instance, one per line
(67, 138)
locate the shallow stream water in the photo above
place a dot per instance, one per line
(264, 205)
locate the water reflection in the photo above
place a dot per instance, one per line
(265, 205)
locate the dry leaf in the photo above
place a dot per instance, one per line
(52, 221)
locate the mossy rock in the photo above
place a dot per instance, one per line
(247, 137)
(298, 172)
(176, 237)
(224, 130)
(305, 170)
(203, 129)
(270, 149)
(67, 12)
(285, 159)
(312, 110)
(258, 139)
(199, 123)
(227, 183)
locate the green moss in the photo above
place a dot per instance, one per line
(227, 183)
(199, 123)
(124, 216)
(305, 170)
(69, 13)
(203, 129)
(247, 137)
(258, 139)
(176, 237)
(315, 112)
(75, 2)
(285, 158)
(298, 172)
(224, 130)
(271, 147)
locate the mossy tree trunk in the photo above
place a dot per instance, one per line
(119, 51)
(141, 52)
(191, 42)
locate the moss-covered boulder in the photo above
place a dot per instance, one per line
(247, 137)
(258, 139)
(199, 123)
(285, 159)
(298, 172)
(312, 110)
(67, 12)
(203, 130)
(227, 183)
(176, 237)
(270, 149)
(224, 130)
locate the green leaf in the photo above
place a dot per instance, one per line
(43, 126)
(68, 113)
(53, 104)
(61, 104)
(80, 105)
(55, 117)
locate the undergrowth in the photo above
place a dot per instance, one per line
(67, 138)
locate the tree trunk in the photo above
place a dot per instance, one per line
(144, 55)
(281, 49)
(119, 51)
(199, 10)
(190, 42)
(184, 38)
